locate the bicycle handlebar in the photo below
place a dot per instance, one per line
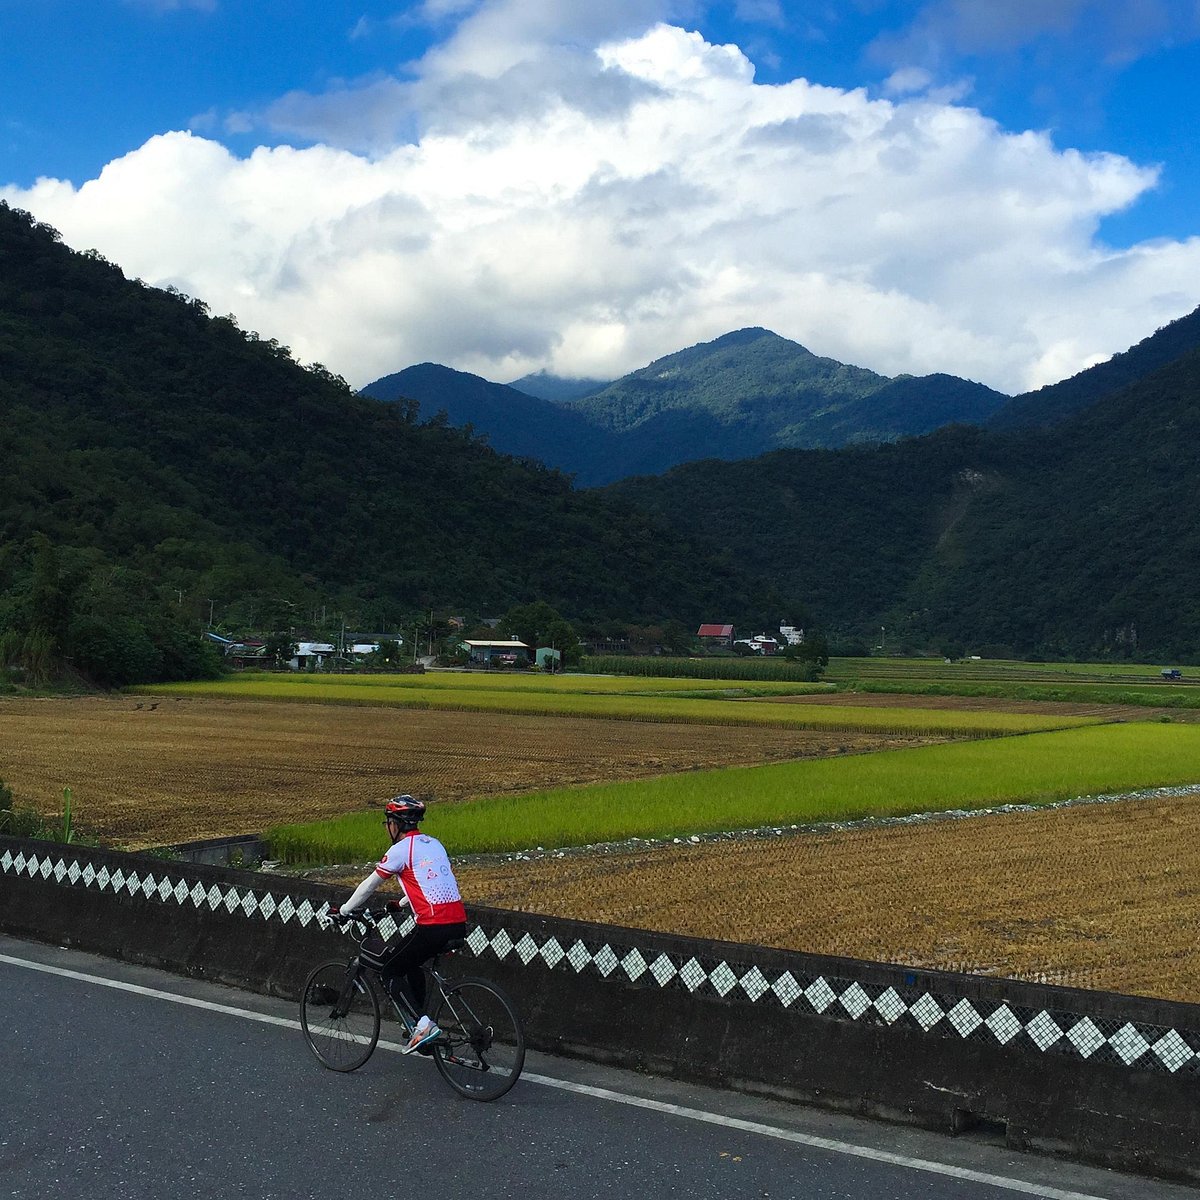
(367, 917)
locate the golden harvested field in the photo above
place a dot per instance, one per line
(1099, 895)
(151, 770)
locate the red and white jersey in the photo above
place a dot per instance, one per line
(429, 884)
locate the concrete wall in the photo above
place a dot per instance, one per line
(1107, 1078)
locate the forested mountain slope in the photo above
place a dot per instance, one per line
(1076, 541)
(141, 435)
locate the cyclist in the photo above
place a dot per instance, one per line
(430, 890)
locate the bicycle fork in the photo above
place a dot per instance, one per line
(349, 986)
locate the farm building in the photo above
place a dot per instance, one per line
(311, 655)
(497, 654)
(715, 635)
(760, 643)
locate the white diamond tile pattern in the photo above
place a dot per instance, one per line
(1085, 1037)
(964, 1018)
(723, 979)
(634, 965)
(754, 983)
(1004, 1024)
(787, 989)
(1173, 1051)
(663, 970)
(606, 961)
(855, 1000)
(692, 974)
(927, 1012)
(889, 1006)
(1147, 1047)
(1044, 1031)
(820, 994)
(1129, 1044)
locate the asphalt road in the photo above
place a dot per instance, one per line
(122, 1082)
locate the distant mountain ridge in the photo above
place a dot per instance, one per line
(740, 395)
(558, 388)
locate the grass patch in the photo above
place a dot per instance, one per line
(760, 669)
(1148, 695)
(1037, 769)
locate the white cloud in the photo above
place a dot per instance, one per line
(1114, 30)
(648, 195)
(168, 6)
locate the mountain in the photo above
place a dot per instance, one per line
(512, 421)
(555, 387)
(745, 393)
(1077, 541)
(753, 379)
(161, 453)
(159, 463)
(1051, 404)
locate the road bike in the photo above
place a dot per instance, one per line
(480, 1050)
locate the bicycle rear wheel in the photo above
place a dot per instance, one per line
(482, 1046)
(339, 1013)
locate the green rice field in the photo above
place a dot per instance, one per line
(572, 696)
(1038, 769)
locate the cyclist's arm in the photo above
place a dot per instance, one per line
(362, 894)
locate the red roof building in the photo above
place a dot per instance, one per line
(722, 633)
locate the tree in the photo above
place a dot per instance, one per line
(280, 647)
(389, 653)
(538, 624)
(678, 638)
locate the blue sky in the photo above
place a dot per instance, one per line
(1004, 189)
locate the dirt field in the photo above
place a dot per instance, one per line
(1095, 896)
(151, 771)
(1104, 896)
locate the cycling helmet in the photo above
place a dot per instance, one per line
(405, 810)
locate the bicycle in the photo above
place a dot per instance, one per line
(479, 1052)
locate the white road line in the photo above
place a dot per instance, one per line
(583, 1089)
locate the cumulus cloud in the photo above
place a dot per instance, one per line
(656, 197)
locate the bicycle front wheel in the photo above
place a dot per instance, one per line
(482, 1046)
(339, 1013)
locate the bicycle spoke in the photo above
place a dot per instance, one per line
(482, 1048)
(339, 1013)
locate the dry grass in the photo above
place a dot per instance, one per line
(1100, 896)
(152, 770)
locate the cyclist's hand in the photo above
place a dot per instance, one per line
(335, 915)
(395, 905)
